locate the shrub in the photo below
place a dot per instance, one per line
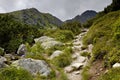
(35, 52)
(60, 35)
(12, 73)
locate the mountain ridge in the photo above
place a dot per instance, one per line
(84, 17)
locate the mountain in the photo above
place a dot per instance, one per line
(33, 17)
(84, 16)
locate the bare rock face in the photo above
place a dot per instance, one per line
(22, 50)
(33, 66)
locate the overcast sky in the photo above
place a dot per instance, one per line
(63, 9)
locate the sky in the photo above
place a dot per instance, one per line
(63, 9)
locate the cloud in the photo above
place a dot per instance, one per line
(62, 9)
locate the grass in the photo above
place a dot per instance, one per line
(12, 73)
(112, 74)
(63, 59)
(85, 73)
(104, 34)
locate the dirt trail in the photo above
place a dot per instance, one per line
(74, 70)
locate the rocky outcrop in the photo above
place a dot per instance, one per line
(33, 66)
(22, 50)
(47, 42)
(55, 54)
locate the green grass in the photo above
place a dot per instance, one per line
(12, 73)
(85, 73)
(63, 59)
(104, 34)
(112, 74)
(60, 35)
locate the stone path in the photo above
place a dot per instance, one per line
(74, 70)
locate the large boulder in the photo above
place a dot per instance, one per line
(22, 50)
(33, 66)
(43, 39)
(56, 53)
(47, 42)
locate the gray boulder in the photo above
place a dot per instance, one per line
(49, 44)
(22, 50)
(55, 54)
(2, 62)
(33, 66)
(43, 39)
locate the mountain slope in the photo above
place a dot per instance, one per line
(33, 17)
(84, 16)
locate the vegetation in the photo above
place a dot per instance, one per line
(112, 74)
(60, 35)
(64, 59)
(74, 26)
(14, 74)
(104, 34)
(113, 7)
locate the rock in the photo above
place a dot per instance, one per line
(69, 69)
(3, 59)
(55, 54)
(77, 43)
(90, 47)
(2, 62)
(22, 50)
(49, 44)
(77, 66)
(116, 65)
(1, 51)
(77, 72)
(10, 57)
(81, 59)
(43, 39)
(74, 56)
(33, 66)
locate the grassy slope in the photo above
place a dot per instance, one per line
(105, 35)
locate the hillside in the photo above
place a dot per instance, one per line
(104, 34)
(84, 17)
(33, 17)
